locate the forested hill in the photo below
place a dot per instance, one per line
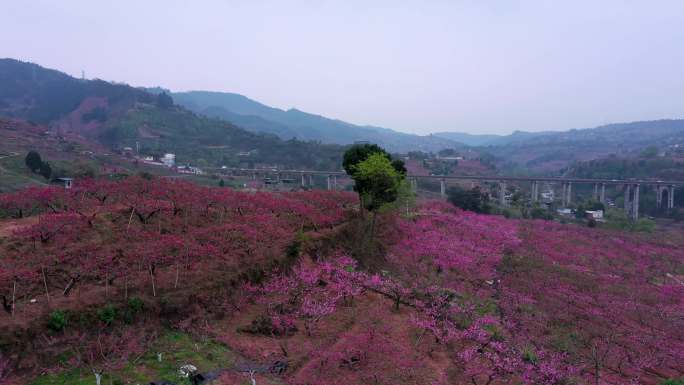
(294, 123)
(118, 115)
(665, 168)
(552, 151)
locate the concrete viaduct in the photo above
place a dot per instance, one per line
(664, 189)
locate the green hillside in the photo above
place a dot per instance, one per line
(118, 116)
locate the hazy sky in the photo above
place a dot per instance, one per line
(417, 66)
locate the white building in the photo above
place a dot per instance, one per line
(594, 214)
(190, 170)
(564, 212)
(169, 160)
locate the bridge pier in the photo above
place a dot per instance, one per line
(567, 193)
(659, 197)
(502, 194)
(635, 203)
(632, 188)
(660, 190)
(628, 197)
(564, 194)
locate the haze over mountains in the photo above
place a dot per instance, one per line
(213, 127)
(294, 123)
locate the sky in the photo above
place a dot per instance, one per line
(473, 66)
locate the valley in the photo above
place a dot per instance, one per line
(156, 237)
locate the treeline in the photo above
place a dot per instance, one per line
(45, 95)
(625, 168)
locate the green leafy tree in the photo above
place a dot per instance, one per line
(471, 200)
(358, 153)
(164, 101)
(33, 161)
(377, 181)
(45, 170)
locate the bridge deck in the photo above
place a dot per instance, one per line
(493, 178)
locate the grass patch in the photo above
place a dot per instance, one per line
(176, 348)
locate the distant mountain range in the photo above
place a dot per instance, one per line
(470, 139)
(214, 127)
(545, 152)
(293, 123)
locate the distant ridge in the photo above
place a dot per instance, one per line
(294, 123)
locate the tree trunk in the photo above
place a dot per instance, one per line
(47, 292)
(130, 219)
(14, 296)
(154, 289)
(372, 229)
(175, 284)
(70, 286)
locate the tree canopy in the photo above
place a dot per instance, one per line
(377, 178)
(360, 152)
(471, 200)
(376, 181)
(164, 101)
(33, 161)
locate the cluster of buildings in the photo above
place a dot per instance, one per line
(169, 160)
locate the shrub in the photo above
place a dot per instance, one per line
(58, 320)
(107, 314)
(673, 381)
(644, 225)
(540, 213)
(528, 355)
(471, 200)
(134, 307)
